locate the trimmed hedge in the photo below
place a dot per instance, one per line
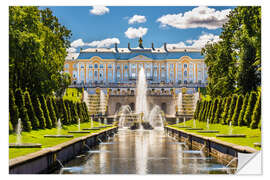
(237, 109)
(256, 115)
(231, 109)
(213, 111)
(46, 112)
(218, 112)
(225, 111)
(13, 110)
(31, 112)
(19, 99)
(51, 111)
(251, 103)
(241, 121)
(39, 112)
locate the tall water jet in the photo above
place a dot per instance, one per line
(141, 93)
(184, 121)
(18, 132)
(79, 124)
(177, 120)
(102, 105)
(194, 123)
(92, 122)
(125, 119)
(59, 127)
(230, 128)
(207, 124)
(179, 101)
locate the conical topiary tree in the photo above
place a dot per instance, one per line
(13, 109)
(226, 110)
(204, 110)
(51, 111)
(64, 118)
(20, 102)
(214, 109)
(237, 110)
(195, 115)
(231, 109)
(251, 103)
(31, 112)
(240, 120)
(68, 111)
(79, 110)
(87, 118)
(39, 112)
(256, 115)
(217, 113)
(203, 104)
(55, 106)
(46, 112)
(74, 112)
(208, 110)
(10, 126)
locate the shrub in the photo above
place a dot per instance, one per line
(68, 111)
(46, 112)
(13, 109)
(231, 109)
(19, 99)
(237, 110)
(203, 105)
(213, 110)
(197, 110)
(226, 109)
(204, 110)
(256, 115)
(87, 118)
(79, 109)
(217, 114)
(31, 112)
(241, 121)
(64, 117)
(208, 110)
(51, 111)
(39, 112)
(53, 100)
(74, 112)
(251, 103)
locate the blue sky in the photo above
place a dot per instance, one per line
(155, 24)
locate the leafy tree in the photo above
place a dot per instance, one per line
(226, 110)
(51, 111)
(20, 102)
(13, 109)
(256, 115)
(39, 112)
(237, 110)
(231, 109)
(249, 110)
(37, 50)
(241, 121)
(31, 112)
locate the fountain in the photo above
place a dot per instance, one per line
(79, 128)
(155, 117)
(184, 121)
(59, 128)
(230, 134)
(207, 127)
(194, 126)
(102, 105)
(19, 143)
(177, 120)
(92, 125)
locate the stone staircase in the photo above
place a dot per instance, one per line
(96, 103)
(187, 104)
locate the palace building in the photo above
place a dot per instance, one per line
(108, 66)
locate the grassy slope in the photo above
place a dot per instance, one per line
(37, 137)
(253, 135)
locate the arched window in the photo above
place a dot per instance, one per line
(101, 75)
(96, 66)
(101, 66)
(185, 66)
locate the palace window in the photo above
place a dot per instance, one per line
(96, 66)
(148, 73)
(96, 75)
(118, 75)
(90, 75)
(171, 66)
(134, 66)
(101, 75)
(126, 75)
(185, 74)
(110, 75)
(118, 66)
(101, 66)
(126, 66)
(90, 66)
(155, 74)
(66, 66)
(110, 66)
(171, 75)
(82, 66)
(185, 66)
(74, 66)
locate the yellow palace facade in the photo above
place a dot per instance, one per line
(116, 66)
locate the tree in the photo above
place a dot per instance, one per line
(68, 111)
(226, 110)
(11, 129)
(231, 109)
(218, 112)
(20, 102)
(237, 110)
(213, 111)
(251, 103)
(256, 115)
(30, 110)
(195, 116)
(64, 111)
(13, 109)
(39, 112)
(46, 112)
(241, 121)
(51, 111)
(37, 50)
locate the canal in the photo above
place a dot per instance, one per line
(142, 152)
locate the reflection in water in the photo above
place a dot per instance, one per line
(143, 152)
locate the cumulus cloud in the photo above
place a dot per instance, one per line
(71, 50)
(77, 43)
(99, 10)
(201, 16)
(132, 33)
(198, 43)
(104, 43)
(137, 19)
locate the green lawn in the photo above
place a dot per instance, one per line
(253, 135)
(36, 136)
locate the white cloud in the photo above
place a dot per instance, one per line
(99, 10)
(77, 43)
(132, 33)
(71, 50)
(198, 43)
(202, 16)
(104, 43)
(137, 19)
